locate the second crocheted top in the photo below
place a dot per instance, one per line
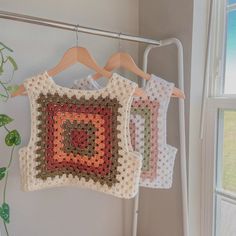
(148, 131)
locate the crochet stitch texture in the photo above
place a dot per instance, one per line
(148, 131)
(78, 137)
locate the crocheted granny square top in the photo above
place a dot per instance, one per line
(148, 131)
(78, 137)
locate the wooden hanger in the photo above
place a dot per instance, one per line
(72, 56)
(124, 60)
(84, 57)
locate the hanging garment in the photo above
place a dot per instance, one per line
(148, 131)
(78, 137)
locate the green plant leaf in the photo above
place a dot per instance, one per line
(13, 138)
(4, 120)
(5, 212)
(2, 172)
(3, 98)
(12, 88)
(9, 49)
(12, 62)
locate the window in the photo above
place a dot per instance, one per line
(225, 192)
(230, 68)
(219, 163)
(228, 132)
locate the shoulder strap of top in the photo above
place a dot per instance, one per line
(122, 85)
(35, 84)
(159, 89)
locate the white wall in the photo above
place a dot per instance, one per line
(161, 210)
(61, 211)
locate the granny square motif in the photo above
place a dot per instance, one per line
(71, 130)
(79, 138)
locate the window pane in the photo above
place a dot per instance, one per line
(229, 151)
(230, 66)
(226, 217)
(231, 1)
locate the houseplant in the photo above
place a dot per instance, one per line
(12, 137)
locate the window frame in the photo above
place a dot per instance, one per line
(211, 163)
(217, 101)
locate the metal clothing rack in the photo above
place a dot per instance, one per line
(183, 163)
(152, 44)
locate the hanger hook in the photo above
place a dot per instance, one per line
(120, 41)
(77, 34)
